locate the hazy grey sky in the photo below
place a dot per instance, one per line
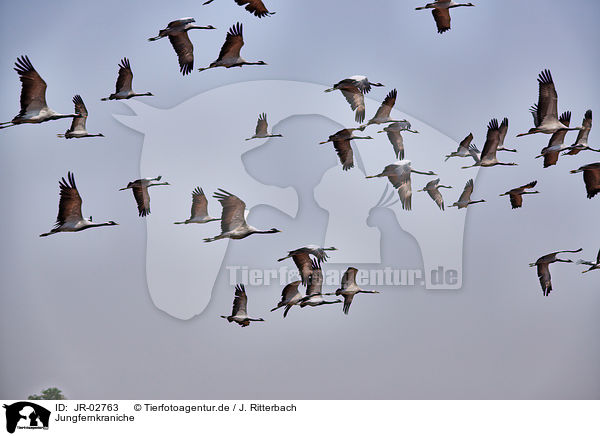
(75, 309)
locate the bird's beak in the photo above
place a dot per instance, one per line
(122, 189)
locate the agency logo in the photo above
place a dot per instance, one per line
(24, 415)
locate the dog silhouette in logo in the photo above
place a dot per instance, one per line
(26, 414)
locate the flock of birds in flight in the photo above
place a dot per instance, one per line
(309, 259)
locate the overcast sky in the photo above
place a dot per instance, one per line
(76, 311)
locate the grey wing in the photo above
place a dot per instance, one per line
(437, 197)
(598, 257)
(465, 143)
(347, 302)
(262, 125)
(304, 265)
(534, 113)
(69, 206)
(503, 130)
(357, 102)
(185, 51)
(492, 140)
(319, 254)
(233, 43)
(345, 153)
(582, 135)
(543, 271)
(290, 291)
(78, 123)
(199, 203)
(388, 103)
(401, 181)
(142, 198)
(240, 302)
(232, 215)
(465, 197)
(474, 152)
(527, 186)
(349, 278)
(397, 142)
(558, 137)
(442, 19)
(180, 22)
(125, 78)
(547, 106)
(256, 7)
(315, 281)
(516, 200)
(33, 87)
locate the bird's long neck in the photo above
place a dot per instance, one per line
(142, 95)
(264, 231)
(157, 184)
(251, 63)
(476, 201)
(91, 224)
(428, 173)
(57, 116)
